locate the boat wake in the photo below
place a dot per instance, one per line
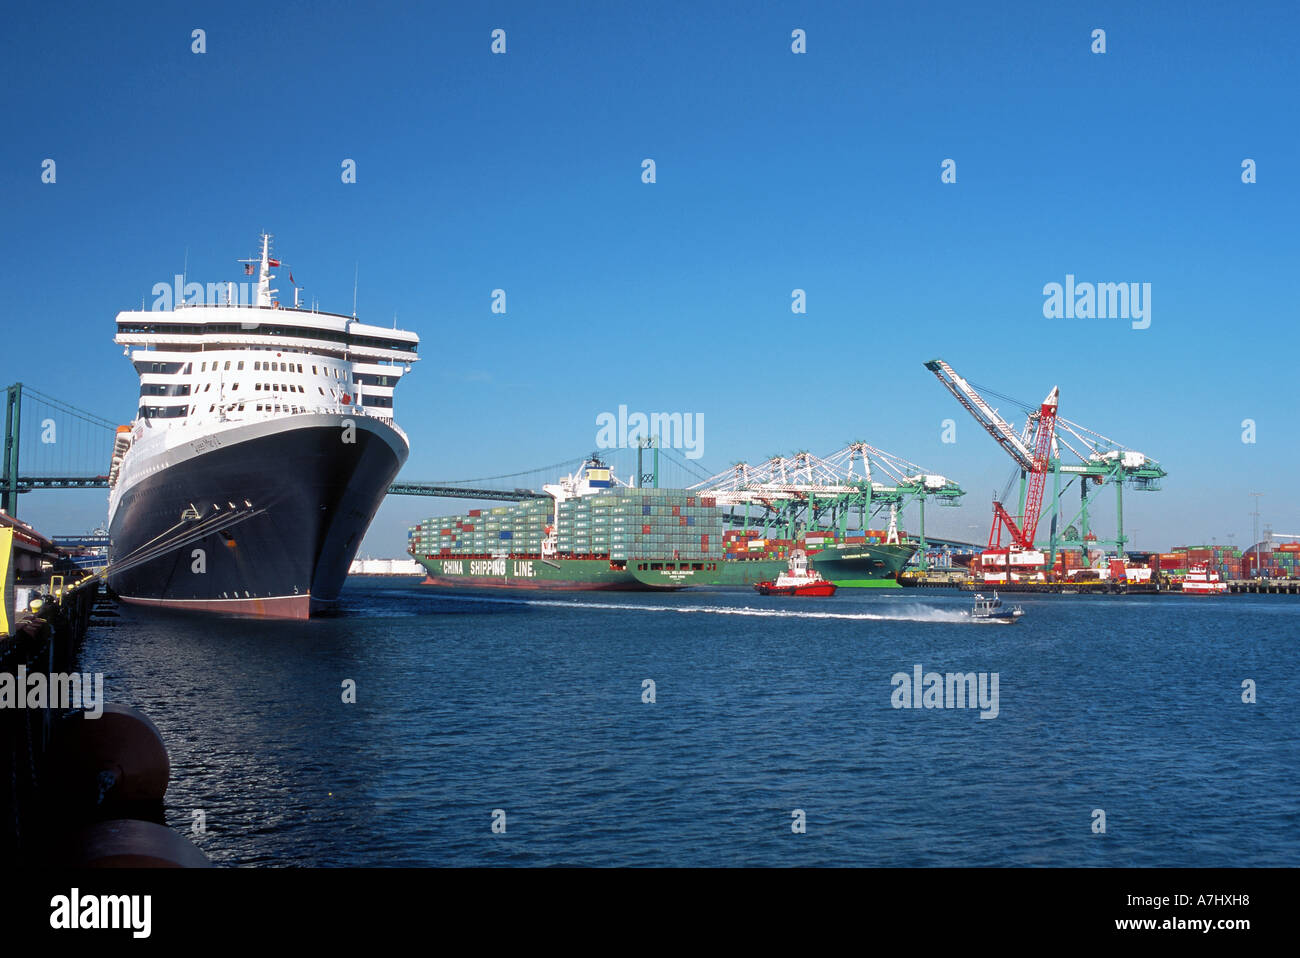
(912, 613)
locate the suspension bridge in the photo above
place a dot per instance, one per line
(66, 447)
(52, 444)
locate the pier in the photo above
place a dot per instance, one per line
(81, 780)
(1265, 586)
(964, 583)
(43, 642)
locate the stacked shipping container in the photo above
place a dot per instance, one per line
(738, 543)
(500, 531)
(628, 523)
(1232, 563)
(621, 523)
(1282, 563)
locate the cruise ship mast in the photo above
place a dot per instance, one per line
(265, 293)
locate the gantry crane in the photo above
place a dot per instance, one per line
(1100, 460)
(806, 493)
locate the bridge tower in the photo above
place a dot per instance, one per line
(642, 477)
(13, 423)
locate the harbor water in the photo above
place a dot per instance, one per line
(533, 704)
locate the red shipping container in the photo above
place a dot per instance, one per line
(677, 510)
(467, 527)
(645, 530)
(476, 512)
(682, 522)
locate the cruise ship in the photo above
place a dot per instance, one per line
(263, 445)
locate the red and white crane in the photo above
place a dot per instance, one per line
(1032, 451)
(1022, 533)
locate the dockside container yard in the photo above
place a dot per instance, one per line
(1269, 562)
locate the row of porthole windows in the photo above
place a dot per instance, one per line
(269, 387)
(173, 411)
(260, 366)
(263, 407)
(269, 367)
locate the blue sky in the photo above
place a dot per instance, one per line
(775, 171)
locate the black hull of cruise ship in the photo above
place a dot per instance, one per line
(279, 518)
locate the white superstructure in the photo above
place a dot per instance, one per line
(209, 368)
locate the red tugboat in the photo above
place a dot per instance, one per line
(798, 579)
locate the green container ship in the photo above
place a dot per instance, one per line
(588, 533)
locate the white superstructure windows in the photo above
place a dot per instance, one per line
(366, 384)
(162, 412)
(165, 389)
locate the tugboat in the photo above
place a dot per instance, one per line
(798, 579)
(992, 610)
(1202, 581)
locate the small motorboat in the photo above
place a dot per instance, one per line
(798, 579)
(992, 610)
